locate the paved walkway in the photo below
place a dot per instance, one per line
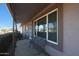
(23, 49)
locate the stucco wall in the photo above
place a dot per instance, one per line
(70, 31)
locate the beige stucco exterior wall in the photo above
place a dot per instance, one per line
(70, 31)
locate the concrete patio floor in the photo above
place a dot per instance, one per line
(23, 48)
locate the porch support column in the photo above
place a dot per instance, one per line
(16, 26)
(25, 31)
(22, 30)
(32, 30)
(14, 38)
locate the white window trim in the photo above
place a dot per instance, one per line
(39, 19)
(57, 27)
(47, 25)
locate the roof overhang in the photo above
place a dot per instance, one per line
(25, 12)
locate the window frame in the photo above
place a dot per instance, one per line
(46, 15)
(57, 26)
(37, 23)
(39, 28)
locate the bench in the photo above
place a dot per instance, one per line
(39, 44)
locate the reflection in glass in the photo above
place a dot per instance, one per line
(52, 26)
(41, 23)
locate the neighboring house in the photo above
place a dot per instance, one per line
(57, 23)
(4, 31)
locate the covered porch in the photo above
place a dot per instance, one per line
(24, 14)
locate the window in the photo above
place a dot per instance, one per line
(52, 27)
(41, 25)
(47, 27)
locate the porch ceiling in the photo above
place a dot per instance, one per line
(26, 11)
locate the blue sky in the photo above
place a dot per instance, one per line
(5, 17)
